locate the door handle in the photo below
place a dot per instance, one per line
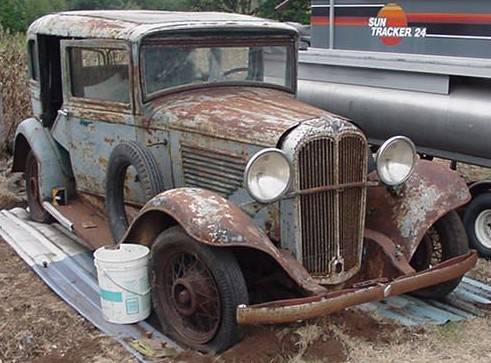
(63, 112)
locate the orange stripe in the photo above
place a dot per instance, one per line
(319, 20)
(459, 18)
(344, 21)
(351, 20)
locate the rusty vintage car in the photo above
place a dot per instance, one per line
(181, 131)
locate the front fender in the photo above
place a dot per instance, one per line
(55, 168)
(213, 220)
(431, 192)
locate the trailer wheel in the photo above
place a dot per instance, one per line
(444, 240)
(477, 222)
(31, 175)
(196, 289)
(129, 153)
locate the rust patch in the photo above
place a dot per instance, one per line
(245, 114)
(211, 219)
(404, 216)
(307, 308)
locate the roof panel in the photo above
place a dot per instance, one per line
(131, 25)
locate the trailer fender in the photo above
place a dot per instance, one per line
(405, 214)
(212, 220)
(480, 187)
(54, 163)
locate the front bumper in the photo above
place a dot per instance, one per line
(286, 311)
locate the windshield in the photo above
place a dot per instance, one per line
(166, 67)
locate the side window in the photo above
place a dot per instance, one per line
(32, 52)
(99, 74)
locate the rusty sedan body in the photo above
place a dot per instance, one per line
(157, 127)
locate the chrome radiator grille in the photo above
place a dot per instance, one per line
(208, 169)
(331, 222)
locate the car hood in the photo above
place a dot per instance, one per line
(257, 116)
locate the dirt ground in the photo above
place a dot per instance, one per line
(37, 326)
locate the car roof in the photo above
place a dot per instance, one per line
(132, 25)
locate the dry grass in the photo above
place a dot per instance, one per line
(13, 84)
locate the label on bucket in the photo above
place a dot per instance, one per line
(114, 296)
(132, 305)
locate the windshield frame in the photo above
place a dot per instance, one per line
(243, 40)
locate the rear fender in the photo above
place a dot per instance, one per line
(212, 220)
(54, 163)
(404, 216)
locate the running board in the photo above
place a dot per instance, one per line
(68, 269)
(58, 216)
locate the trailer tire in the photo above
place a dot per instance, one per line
(449, 232)
(129, 153)
(477, 222)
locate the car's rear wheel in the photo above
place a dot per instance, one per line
(31, 175)
(196, 291)
(444, 240)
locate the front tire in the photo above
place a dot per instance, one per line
(31, 175)
(444, 240)
(477, 222)
(196, 289)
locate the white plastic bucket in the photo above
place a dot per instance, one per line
(123, 282)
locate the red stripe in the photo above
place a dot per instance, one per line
(343, 21)
(319, 20)
(455, 18)
(443, 18)
(351, 21)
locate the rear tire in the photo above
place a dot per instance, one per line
(31, 175)
(444, 240)
(196, 289)
(477, 222)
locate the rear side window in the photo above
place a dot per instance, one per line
(99, 74)
(33, 68)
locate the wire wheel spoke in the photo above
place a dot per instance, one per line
(191, 296)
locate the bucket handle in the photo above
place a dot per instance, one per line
(124, 288)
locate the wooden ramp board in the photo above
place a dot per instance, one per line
(68, 269)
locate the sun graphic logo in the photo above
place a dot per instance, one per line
(390, 25)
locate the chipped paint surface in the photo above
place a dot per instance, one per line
(211, 219)
(404, 216)
(251, 115)
(133, 25)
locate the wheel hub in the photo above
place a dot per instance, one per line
(184, 297)
(483, 228)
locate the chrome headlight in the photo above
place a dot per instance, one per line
(395, 160)
(267, 175)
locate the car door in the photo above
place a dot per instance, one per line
(97, 112)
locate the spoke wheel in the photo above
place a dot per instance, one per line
(443, 240)
(196, 289)
(190, 296)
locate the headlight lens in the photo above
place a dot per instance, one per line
(267, 175)
(395, 160)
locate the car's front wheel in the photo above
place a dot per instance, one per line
(444, 240)
(196, 289)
